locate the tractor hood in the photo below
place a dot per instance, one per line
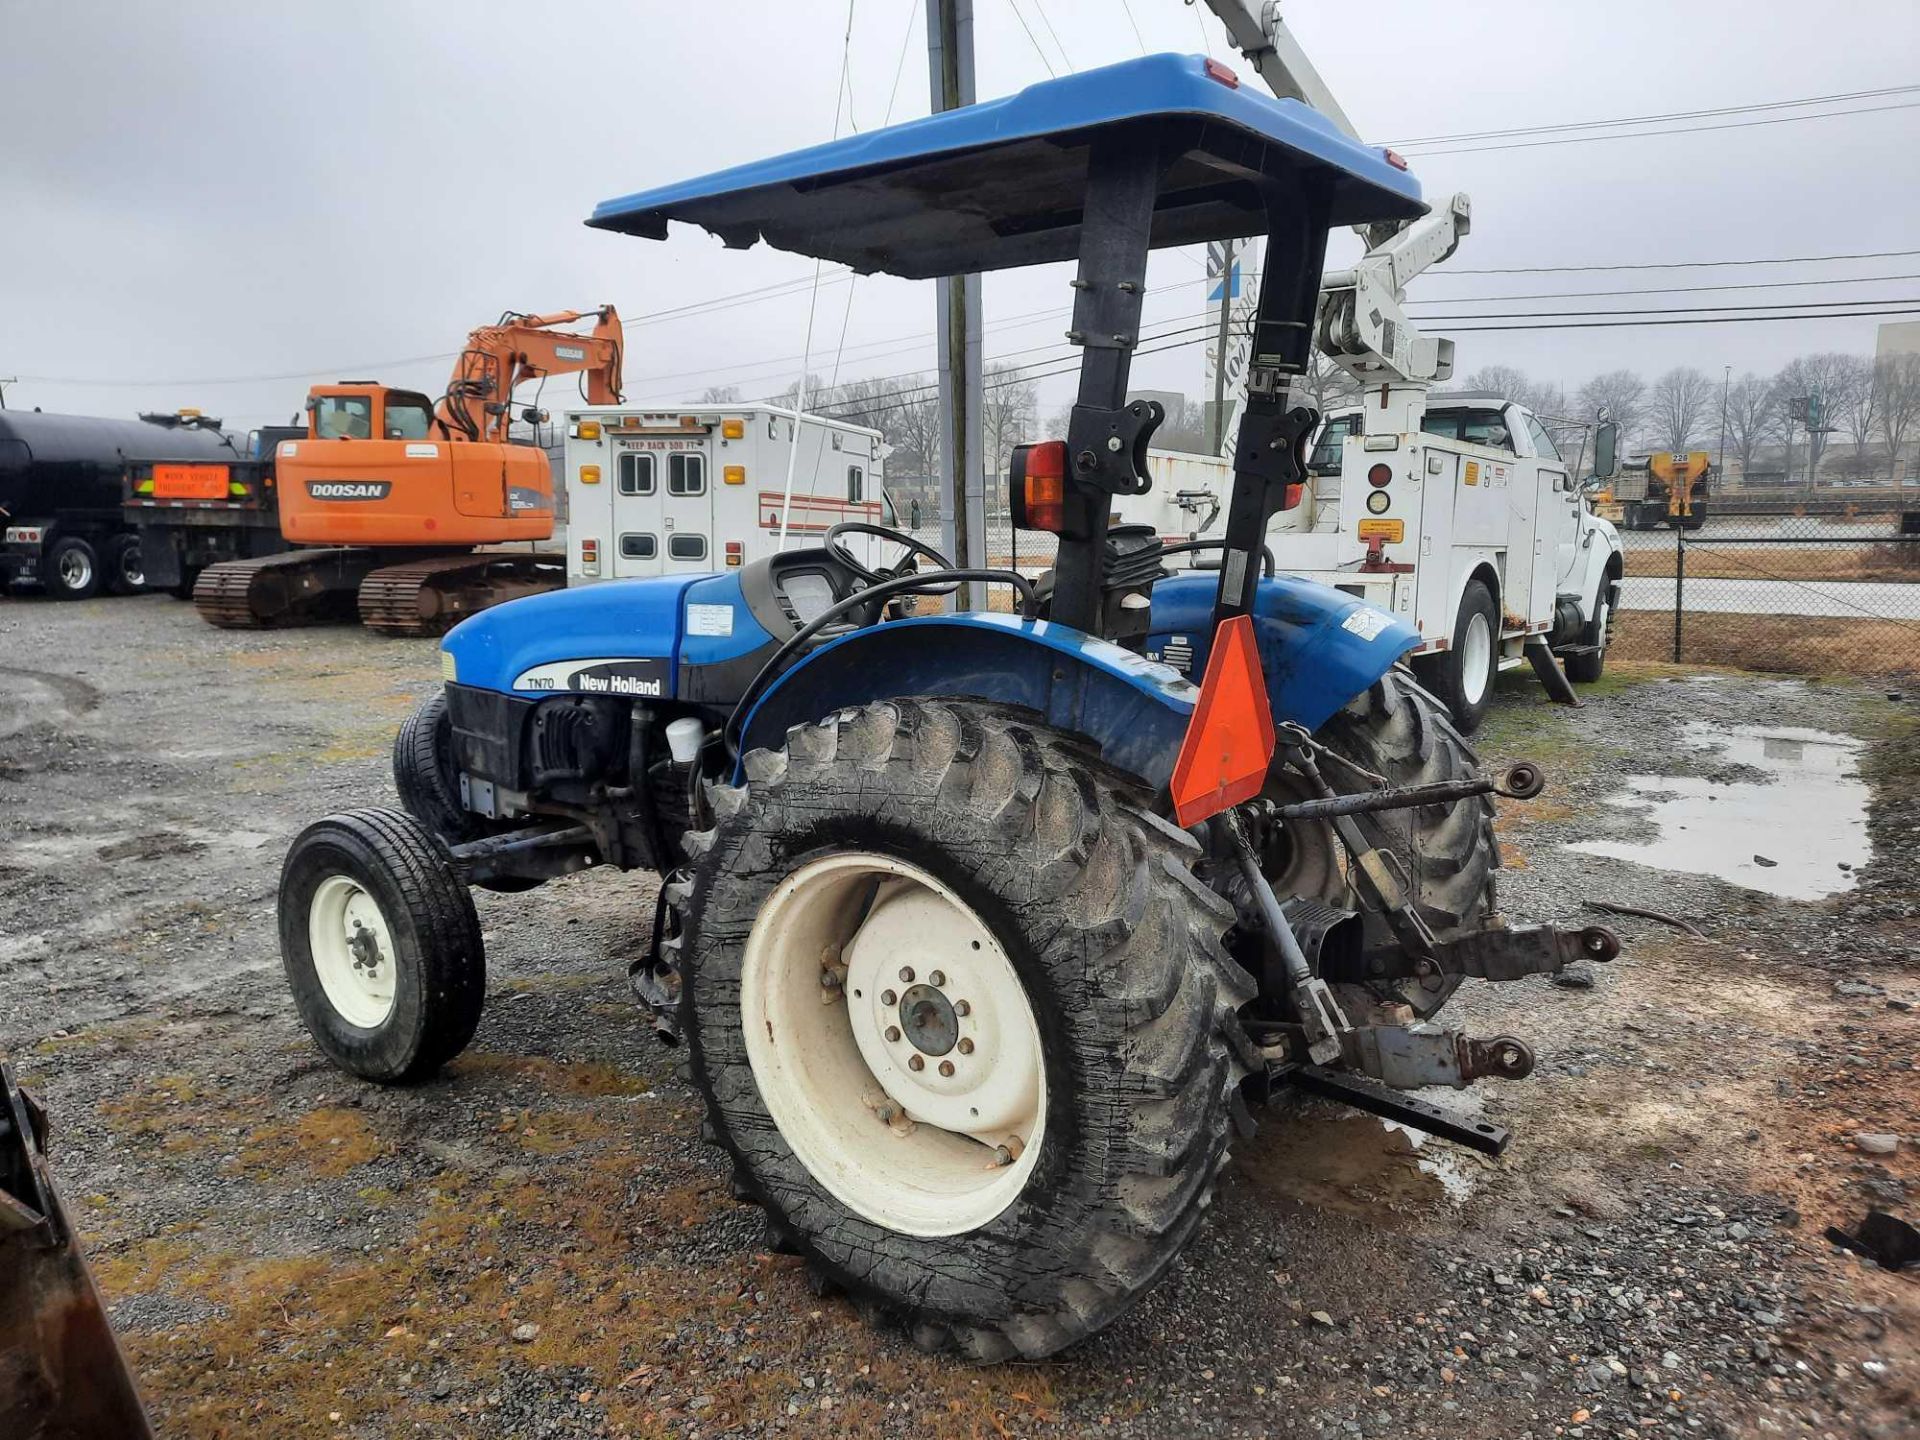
(1003, 183)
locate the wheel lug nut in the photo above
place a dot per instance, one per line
(966, 1046)
(906, 974)
(946, 1067)
(937, 979)
(887, 997)
(961, 1007)
(893, 1032)
(916, 1063)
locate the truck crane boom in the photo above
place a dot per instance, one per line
(1361, 324)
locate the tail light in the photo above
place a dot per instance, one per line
(736, 554)
(589, 557)
(1394, 158)
(1217, 71)
(1038, 486)
(1380, 475)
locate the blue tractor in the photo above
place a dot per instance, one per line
(981, 930)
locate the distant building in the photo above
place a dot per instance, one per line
(1901, 337)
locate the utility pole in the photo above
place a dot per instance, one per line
(962, 399)
(1217, 417)
(1720, 460)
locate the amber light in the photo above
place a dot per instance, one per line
(589, 474)
(734, 474)
(1039, 489)
(736, 554)
(733, 429)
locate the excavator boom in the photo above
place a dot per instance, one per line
(499, 358)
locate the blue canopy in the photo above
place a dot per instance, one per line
(1003, 183)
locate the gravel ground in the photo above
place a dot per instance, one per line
(536, 1244)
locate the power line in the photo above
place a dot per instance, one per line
(1673, 310)
(1421, 154)
(1704, 320)
(1663, 290)
(1066, 59)
(1014, 5)
(1138, 38)
(1680, 264)
(1519, 130)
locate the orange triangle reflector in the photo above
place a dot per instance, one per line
(1229, 743)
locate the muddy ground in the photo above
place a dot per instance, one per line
(289, 1253)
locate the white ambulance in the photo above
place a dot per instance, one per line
(664, 492)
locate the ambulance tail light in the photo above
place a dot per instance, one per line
(589, 557)
(1038, 492)
(736, 554)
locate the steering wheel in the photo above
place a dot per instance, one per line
(907, 564)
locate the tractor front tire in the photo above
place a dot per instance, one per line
(1447, 853)
(381, 945)
(958, 1008)
(428, 783)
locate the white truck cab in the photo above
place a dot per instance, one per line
(1473, 528)
(664, 492)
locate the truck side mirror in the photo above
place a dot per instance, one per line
(1606, 447)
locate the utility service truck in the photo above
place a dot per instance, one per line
(688, 492)
(1470, 527)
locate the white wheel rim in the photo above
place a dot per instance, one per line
(353, 953)
(937, 1150)
(1475, 657)
(130, 568)
(75, 571)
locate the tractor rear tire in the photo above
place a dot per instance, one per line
(381, 945)
(428, 782)
(1448, 853)
(1068, 925)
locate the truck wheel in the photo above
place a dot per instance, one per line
(381, 946)
(959, 1012)
(429, 784)
(126, 574)
(1447, 853)
(1588, 667)
(1462, 675)
(70, 570)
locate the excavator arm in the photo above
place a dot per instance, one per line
(497, 358)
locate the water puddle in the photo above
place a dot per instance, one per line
(1799, 833)
(1339, 1160)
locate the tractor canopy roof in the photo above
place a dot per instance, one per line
(1004, 182)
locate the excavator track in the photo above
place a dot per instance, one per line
(431, 596)
(300, 587)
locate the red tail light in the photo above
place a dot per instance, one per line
(1394, 158)
(1038, 488)
(736, 553)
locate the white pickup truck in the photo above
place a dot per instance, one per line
(1474, 528)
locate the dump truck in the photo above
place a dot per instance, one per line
(1666, 488)
(984, 933)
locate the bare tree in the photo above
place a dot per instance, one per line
(1324, 386)
(1823, 375)
(1753, 417)
(1009, 410)
(1897, 378)
(721, 395)
(1623, 395)
(1678, 411)
(1855, 404)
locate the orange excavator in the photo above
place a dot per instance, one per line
(391, 494)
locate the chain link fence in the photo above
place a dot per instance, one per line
(1802, 585)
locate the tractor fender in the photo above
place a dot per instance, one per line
(1135, 709)
(1319, 647)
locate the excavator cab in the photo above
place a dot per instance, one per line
(362, 409)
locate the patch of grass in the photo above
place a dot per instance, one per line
(1890, 561)
(327, 1143)
(1813, 645)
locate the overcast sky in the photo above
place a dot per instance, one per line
(220, 190)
